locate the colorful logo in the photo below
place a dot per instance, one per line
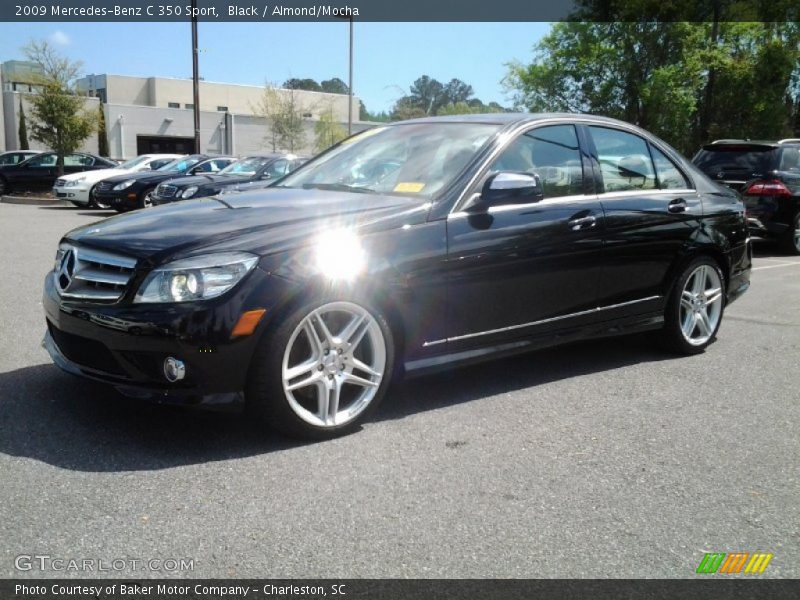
(719, 562)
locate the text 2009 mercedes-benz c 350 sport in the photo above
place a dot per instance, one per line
(404, 249)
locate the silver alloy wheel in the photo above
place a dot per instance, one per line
(333, 364)
(701, 305)
(796, 233)
(94, 201)
(148, 199)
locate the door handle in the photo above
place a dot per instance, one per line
(582, 223)
(677, 206)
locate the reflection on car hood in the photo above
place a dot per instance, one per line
(198, 180)
(262, 222)
(144, 176)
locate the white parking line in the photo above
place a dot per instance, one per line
(796, 264)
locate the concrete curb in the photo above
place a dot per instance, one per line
(33, 201)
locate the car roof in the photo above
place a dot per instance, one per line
(513, 118)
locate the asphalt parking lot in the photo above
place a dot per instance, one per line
(601, 459)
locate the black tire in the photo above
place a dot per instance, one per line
(4, 187)
(94, 203)
(791, 241)
(78, 204)
(142, 200)
(265, 394)
(671, 336)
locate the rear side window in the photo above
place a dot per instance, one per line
(735, 161)
(625, 161)
(669, 176)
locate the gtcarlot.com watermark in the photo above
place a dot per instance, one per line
(45, 562)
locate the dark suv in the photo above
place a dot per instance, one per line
(767, 174)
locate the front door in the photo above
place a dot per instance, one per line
(518, 270)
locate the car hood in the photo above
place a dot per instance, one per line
(96, 175)
(144, 176)
(262, 222)
(200, 180)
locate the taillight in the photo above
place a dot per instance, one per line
(767, 188)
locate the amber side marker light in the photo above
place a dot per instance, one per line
(247, 323)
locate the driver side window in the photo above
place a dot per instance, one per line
(550, 152)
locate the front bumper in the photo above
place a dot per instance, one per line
(73, 194)
(126, 345)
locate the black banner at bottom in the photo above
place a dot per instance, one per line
(391, 589)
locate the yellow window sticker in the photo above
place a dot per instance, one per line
(410, 187)
(362, 135)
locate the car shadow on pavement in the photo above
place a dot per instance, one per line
(527, 370)
(83, 425)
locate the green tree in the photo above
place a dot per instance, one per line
(407, 108)
(687, 82)
(23, 128)
(428, 94)
(102, 136)
(302, 84)
(284, 116)
(60, 120)
(328, 131)
(334, 86)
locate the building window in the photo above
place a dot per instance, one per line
(222, 108)
(188, 106)
(174, 104)
(307, 115)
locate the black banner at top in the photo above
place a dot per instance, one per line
(397, 10)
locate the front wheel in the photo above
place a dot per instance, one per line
(323, 370)
(695, 307)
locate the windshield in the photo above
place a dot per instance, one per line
(418, 159)
(180, 165)
(133, 163)
(246, 166)
(735, 161)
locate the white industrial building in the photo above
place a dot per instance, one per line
(155, 114)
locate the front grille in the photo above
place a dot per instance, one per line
(94, 275)
(103, 186)
(60, 183)
(85, 352)
(166, 190)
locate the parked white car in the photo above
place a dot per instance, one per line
(78, 187)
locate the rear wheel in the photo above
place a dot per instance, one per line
(3, 186)
(792, 241)
(695, 307)
(146, 198)
(323, 370)
(94, 202)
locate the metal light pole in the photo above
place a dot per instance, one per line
(195, 79)
(350, 84)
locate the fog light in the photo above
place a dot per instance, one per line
(174, 369)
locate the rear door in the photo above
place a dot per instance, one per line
(651, 212)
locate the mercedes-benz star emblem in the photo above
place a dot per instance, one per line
(66, 269)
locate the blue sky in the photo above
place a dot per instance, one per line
(388, 56)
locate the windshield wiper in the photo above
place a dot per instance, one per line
(338, 187)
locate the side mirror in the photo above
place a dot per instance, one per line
(509, 187)
(266, 176)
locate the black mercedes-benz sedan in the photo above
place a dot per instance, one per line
(135, 190)
(261, 168)
(406, 248)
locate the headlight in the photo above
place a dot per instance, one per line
(189, 192)
(124, 185)
(197, 278)
(74, 182)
